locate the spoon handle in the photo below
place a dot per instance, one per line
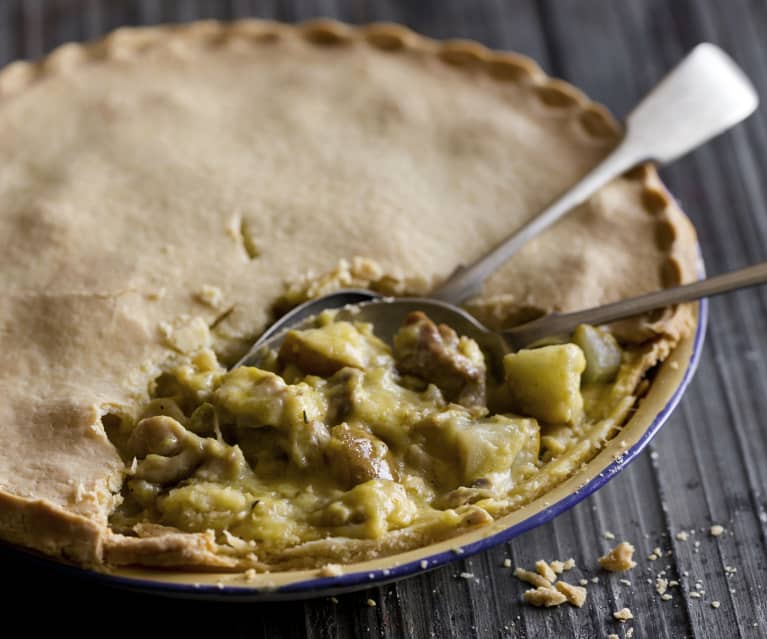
(557, 324)
(703, 96)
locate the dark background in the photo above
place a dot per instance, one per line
(708, 464)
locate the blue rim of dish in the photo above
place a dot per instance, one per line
(323, 586)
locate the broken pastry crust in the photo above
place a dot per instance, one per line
(155, 162)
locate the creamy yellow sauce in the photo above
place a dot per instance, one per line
(346, 437)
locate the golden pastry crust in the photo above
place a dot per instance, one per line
(158, 163)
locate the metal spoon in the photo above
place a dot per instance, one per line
(703, 96)
(388, 314)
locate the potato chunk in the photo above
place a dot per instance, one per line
(258, 398)
(464, 449)
(326, 350)
(492, 445)
(545, 382)
(602, 352)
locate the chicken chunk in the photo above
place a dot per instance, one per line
(437, 355)
(356, 456)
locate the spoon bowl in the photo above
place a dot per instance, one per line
(387, 314)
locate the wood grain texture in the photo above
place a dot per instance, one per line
(707, 466)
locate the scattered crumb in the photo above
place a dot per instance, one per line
(557, 566)
(331, 570)
(333, 600)
(544, 597)
(574, 594)
(424, 564)
(209, 295)
(545, 571)
(666, 597)
(533, 578)
(507, 563)
(466, 575)
(583, 582)
(569, 564)
(716, 530)
(156, 294)
(682, 535)
(619, 558)
(695, 595)
(371, 603)
(654, 455)
(625, 582)
(185, 334)
(623, 615)
(595, 580)
(249, 575)
(458, 551)
(661, 585)
(612, 635)
(715, 604)
(629, 632)
(608, 535)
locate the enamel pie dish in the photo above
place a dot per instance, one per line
(167, 192)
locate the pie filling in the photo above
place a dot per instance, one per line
(340, 435)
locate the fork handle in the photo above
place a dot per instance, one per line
(564, 323)
(703, 96)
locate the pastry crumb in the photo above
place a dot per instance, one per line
(569, 564)
(619, 558)
(507, 563)
(623, 615)
(612, 635)
(661, 585)
(545, 571)
(186, 334)
(608, 535)
(209, 295)
(371, 603)
(715, 604)
(155, 294)
(629, 632)
(533, 578)
(557, 566)
(583, 582)
(424, 564)
(625, 582)
(574, 594)
(249, 575)
(716, 530)
(666, 597)
(331, 570)
(333, 600)
(544, 597)
(682, 535)
(466, 575)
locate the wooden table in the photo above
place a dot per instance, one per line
(707, 466)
